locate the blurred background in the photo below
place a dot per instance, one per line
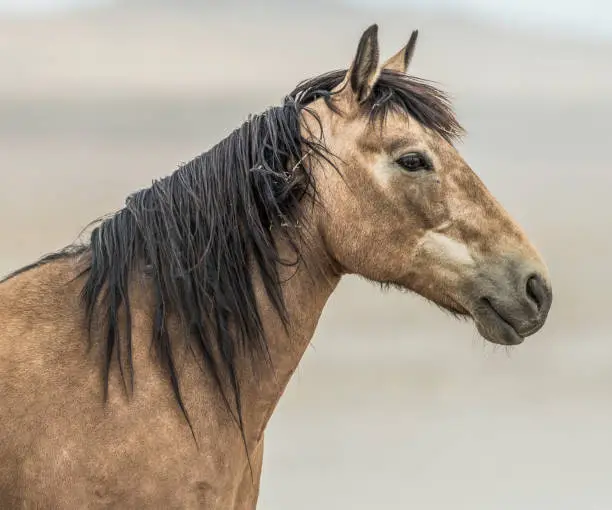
(395, 405)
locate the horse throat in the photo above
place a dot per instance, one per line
(306, 289)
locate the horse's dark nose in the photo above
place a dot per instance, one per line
(537, 299)
(538, 292)
(512, 301)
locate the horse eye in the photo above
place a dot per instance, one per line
(414, 162)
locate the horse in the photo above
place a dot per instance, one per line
(140, 366)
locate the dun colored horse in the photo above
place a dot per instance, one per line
(139, 369)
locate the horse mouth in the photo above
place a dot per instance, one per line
(490, 323)
(493, 326)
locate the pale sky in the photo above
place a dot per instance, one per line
(587, 18)
(590, 18)
(33, 6)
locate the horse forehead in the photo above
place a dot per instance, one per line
(397, 123)
(382, 133)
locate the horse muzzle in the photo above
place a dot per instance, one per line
(510, 303)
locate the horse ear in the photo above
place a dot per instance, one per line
(401, 60)
(364, 71)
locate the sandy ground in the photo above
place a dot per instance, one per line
(396, 405)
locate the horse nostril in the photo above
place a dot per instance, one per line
(537, 291)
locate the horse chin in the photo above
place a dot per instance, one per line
(503, 335)
(490, 325)
(494, 328)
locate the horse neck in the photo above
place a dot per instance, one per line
(306, 291)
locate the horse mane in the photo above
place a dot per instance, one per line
(393, 92)
(199, 233)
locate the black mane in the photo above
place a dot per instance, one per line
(392, 92)
(199, 233)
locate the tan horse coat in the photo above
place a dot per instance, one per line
(436, 231)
